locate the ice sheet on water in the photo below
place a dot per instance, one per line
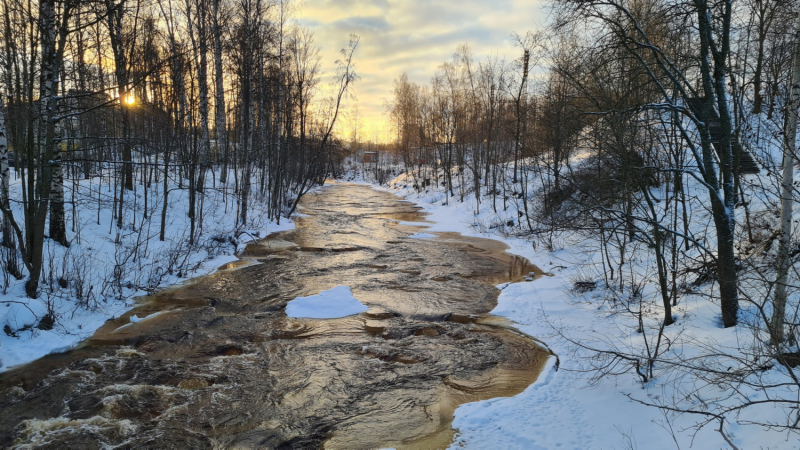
(331, 304)
(414, 224)
(136, 319)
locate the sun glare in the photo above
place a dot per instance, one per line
(130, 99)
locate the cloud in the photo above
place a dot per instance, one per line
(361, 25)
(412, 36)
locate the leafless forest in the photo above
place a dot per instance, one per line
(132, 95)
(664, 131)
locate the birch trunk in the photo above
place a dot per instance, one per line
(41, 198)
(5, 174)
(789, 147)
(58, 228)
(202, 85)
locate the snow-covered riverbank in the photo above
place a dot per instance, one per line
(105, 268)
(592, 400)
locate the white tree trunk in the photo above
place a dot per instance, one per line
(58, 227)
(202, 85)
(5, 174)
(789, 146)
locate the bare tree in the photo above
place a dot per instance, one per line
(787, 192)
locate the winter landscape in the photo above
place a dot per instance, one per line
(524, 224)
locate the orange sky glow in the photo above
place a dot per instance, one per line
(409, 36)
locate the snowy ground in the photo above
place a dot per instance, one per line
(568, 407)
(105, 268)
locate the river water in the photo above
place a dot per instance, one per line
(220, 365)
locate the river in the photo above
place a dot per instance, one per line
(218, 364)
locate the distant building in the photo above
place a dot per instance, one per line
(370, 157)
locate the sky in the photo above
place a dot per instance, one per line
(410, 36)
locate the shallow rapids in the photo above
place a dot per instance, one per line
(218, 364)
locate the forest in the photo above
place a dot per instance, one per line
(642, 152)
(659, 138)
(119, 104)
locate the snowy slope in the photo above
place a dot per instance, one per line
(570, 406)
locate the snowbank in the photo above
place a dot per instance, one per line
(570, 406)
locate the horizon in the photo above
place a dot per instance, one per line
(411, 37)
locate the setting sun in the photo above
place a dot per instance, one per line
(130, 99)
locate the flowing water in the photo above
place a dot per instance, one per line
(218, 364)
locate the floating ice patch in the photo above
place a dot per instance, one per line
(136, 319)
(330, 304)
(415, 224)
(422, 236)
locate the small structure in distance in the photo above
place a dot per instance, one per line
(369, 157)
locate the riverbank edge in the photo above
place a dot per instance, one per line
(566, 407)
(72, 329)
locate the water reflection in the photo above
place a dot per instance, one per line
(222, 366)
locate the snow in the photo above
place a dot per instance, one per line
(107, 268)
(421, 236)
(331, 304)
(135, 319)
(565, 408)
(570, 406)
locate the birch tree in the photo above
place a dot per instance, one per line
(787, 190)
(5, 176)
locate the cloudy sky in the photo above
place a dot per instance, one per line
(412, 36)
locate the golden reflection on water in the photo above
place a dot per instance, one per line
(217, 364)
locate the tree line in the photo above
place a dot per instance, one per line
(651, 126)
(132, 94)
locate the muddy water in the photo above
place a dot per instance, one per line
(218, 364)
